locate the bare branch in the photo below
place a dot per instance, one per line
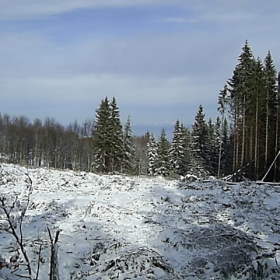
(38, 262)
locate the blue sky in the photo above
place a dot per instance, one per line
(159, 58)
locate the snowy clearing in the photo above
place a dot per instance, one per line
(121, 227)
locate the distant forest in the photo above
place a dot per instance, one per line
(242, 143)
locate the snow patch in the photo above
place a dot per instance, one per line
(125, 227)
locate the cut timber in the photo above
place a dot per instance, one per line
(275, 184)
(270, 167)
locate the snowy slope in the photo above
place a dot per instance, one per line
(120, 227)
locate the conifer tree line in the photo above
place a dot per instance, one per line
(250, 99)
(242, 142)
(104, 145)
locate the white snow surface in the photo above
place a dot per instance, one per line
(125, 227)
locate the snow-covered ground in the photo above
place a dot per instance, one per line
(121, 227)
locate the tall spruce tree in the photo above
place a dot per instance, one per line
(102, 137)
(116, 138)
(222, 106)
(212, 150)
(108, 138)
(129, 149)
(152, 153)
(200, 145)
(258, 123)
(177, 151)
(162, 162)
(227, 149)
(241, 89)
(186, 139)
(270, 75)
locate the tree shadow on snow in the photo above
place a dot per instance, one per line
(200, 235)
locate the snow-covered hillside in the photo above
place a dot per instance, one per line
(120, 227)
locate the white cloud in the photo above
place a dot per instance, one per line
(142, 70)
(186, 69)
(178, 55)
(18, 9)
(54, 96)
(129, 90)
(216, 10)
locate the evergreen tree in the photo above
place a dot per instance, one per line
(129, 149)
(212, 150)
(257, 145)
(201, 164)
(270, 75)
(177, 151)
(116, 138)
(241, 87)
(102, 137)
(152, 153)
(222, 101)
(186, 139)
(227, 149)
(162, 162)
